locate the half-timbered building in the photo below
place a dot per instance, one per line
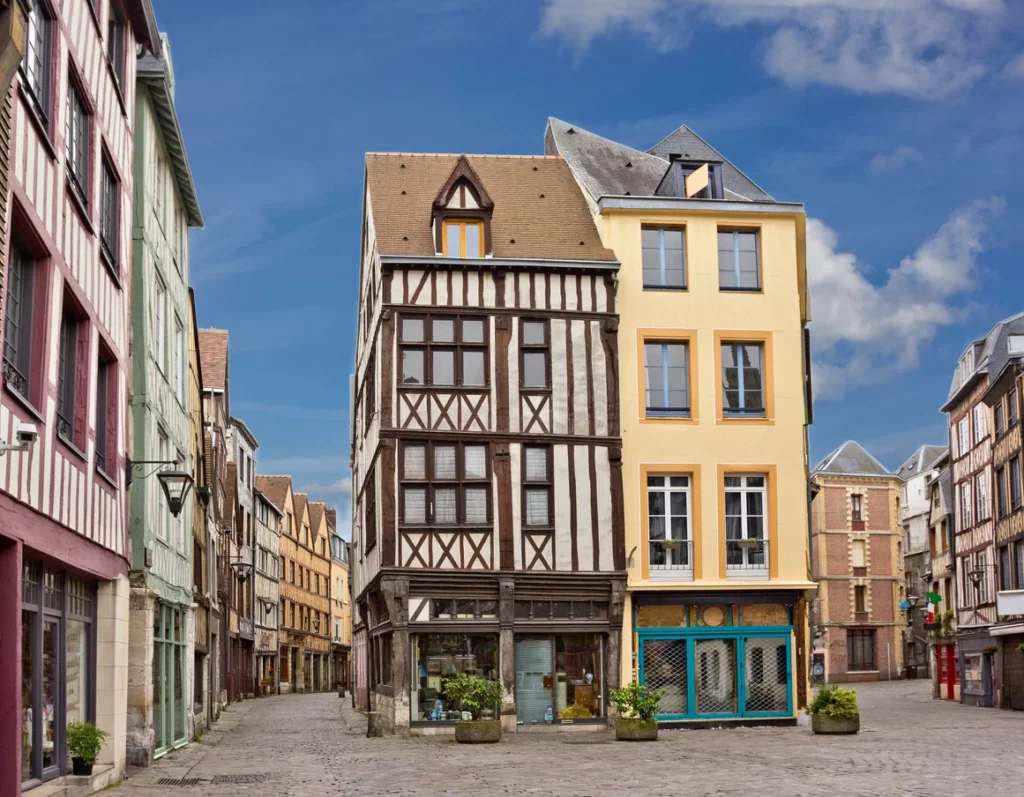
(487, 508)
(65, 342)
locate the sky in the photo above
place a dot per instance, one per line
(898, 123)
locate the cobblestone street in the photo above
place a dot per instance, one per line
(315, 745)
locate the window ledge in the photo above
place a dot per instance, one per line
(41, 127)
(746, 575)
(106, 477)
(24, 402)
(111, 266)
(668, 288)
(79, 203)
(71, 447)
(740, 290)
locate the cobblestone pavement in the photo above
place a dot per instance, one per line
(304, 745)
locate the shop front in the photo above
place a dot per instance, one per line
(717, 657)
(947, 673)
(170, 677)
(977, 667)
(1012, 648)
(559, 679)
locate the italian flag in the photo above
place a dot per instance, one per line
(934, 599)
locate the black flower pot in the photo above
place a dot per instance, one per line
(79, 767)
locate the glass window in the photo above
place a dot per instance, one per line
(1000, 418)
(1015, 486)
(110, 221)
(455, 349)
(463, 238)
(980, 423)
(1005, 573)
(438, 483)
(745, 538)
(857, 507)
(37, 64)
(412, 330)
(536, 486)
(412, 367)
(742, 379)
(106, 386)
(668, 519)
(67, 373)
(663, 257)
(578, 676)
(116, 43)
(77, 143)
(440, 656)
(860, 649)
(535, 353)
(860, 599)
(1011, 407)
(666, 379)
(738, 266)
(472, 330)
(17, 357)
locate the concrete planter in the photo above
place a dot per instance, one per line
(478, 731)
(634, 730)
(824, 724)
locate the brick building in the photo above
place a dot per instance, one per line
(857, 558)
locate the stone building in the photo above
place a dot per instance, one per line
(941, 535)
(341, 605)
(857, 559)
(266, 581)
(315, 535)
(242, 446)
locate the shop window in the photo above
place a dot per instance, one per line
(440, 656)
(973, 673)
(860, 650)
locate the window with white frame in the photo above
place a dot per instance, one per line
(966, 515)
(743, 379)
(179, 364)
(981, 564)
(668, 522)
(980, 422)
(964, 435)
(745, 522)
(160, 322)
(667, 379)
(981, 497)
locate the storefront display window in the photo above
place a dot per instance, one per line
(169, 652)
(559, 678)
(973, 673)
(439, 656)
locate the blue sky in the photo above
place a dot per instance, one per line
(898, 123)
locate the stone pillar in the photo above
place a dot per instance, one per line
(613, 666)
(112, 649)
(396, 594)
(10, 666)
(140, 738)
(507, 652)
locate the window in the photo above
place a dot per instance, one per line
(1005, 574)
(664, 262)
(109, 209)
(445, 351)
(742, 381)
(1011, 407)
(291, 576)
(17, 362)
(537, 486)
(966, 505)
(981, 497)
(981, 563)
(860, 599)
(160, 323)
(159, 188)
(860, 554)
(1000, 424)
(1018, 563)
(738, 266)
(445, 484)
(860, 650)
(463, 238)
(980, 423)
(106, 413)
(534, 345)
(37, 64)
(856, 507)
(964, 434)
(67, 378)
(369, 392)
(116, 43)
(177, 342)
(745, 544)
(370, 527)
(668, 522)
(667, 379)
(1015, 497)
(316, 583)
(77, 143)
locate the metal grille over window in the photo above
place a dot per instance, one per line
(665, 669)
(767, 670)
(716, 676)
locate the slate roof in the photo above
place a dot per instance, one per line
(945, 481)
(275, 488)
(537, 204)
(991, 354)
(608, 168)
(213, 354)
(851, 459)
(921, 461)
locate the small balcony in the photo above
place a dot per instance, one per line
(671, 560)
(746, 559)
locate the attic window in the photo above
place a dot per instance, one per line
(692, 179)
(463, 238)
(462, 214)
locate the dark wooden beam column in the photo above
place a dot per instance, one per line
(506, 651)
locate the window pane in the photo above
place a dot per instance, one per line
(533, 333)
(412, 366)
(50, 685)
(412, 329)
(677, 503)
(445, 502)
(655, 503)
(651, 251)
(656, 481)
(474, 246)
(537, 506)
(444, 462)
(415, 462)
(443, 330)
(749, 276)
(675, 275)
(476, 504)
(473, 368)
(454, 240)
(443, 367)
(535, 369)
(536, 464)
(76, 668)
(415, 499)
(475, 462)
(27, 678)
(472, 330)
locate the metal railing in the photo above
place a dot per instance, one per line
(747, 557)
(669, 555)
(14, 378)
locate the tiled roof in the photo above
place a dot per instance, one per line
(537, 204)
(332, 518)
(299, 501)
(316, 514)
(213, 354)
(275, 488)
(852, 459)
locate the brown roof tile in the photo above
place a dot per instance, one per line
(299, 502)
(213, 357)
(557, 226)
(275, 488)
(316, 513)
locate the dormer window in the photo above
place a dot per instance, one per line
(463, 238)
(692, 179)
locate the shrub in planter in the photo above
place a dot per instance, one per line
(84, 741)
(835, 710)
(475, 695)
(636, 707)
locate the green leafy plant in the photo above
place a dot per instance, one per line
(834, 701)
(473, 693)
(636, 701)
(85, 741)
(575, 712)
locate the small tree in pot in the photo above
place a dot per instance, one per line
(835, 710)
(84, 742)
(636, 706)
(475, 695)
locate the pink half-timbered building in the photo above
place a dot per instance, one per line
(65, 342)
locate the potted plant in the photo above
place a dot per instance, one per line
(84, 742)
(636, 706)
(266, 683)
(475, 695)
(834, 710)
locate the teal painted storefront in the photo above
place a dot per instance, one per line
(725, 672)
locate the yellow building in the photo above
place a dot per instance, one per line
(714, 404)
(341, 604)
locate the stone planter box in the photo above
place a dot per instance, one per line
(478, 731)
(824, 724)
(634, 730)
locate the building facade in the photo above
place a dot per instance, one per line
(487, 490)
(341, 606)
(919, 548)
(857, 558)
(315, 606)
(266, 577)
(714, 394)
(162, 620)
(242, 447)
(63, 421)
(971, 450)
(941, 540)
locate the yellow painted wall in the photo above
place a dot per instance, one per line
(708, 446)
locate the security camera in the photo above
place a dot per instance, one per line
(26, 434)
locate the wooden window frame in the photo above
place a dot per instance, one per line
(548, 484)
(860, 599)
(78, 151)
(998, 419)
(742, 336)
(857, 507)
(1005, 555)
(110, 215)
(867, 643)
(535, 348)
(117, 43)
(41, 107)
(462, 224)
(21, 368)
(430, 484)
(106, 412)
(458, 346)
(661, 229)
(1016, 489)
(71, 420)
(735, 231)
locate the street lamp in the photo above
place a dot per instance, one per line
(242, 569)
(176, 485)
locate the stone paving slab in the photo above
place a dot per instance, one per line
(306, 745)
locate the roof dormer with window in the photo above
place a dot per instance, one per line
(462, 215)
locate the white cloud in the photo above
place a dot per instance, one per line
(862, 331)
(1015, 69)
(918, 48)
(883, 163)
